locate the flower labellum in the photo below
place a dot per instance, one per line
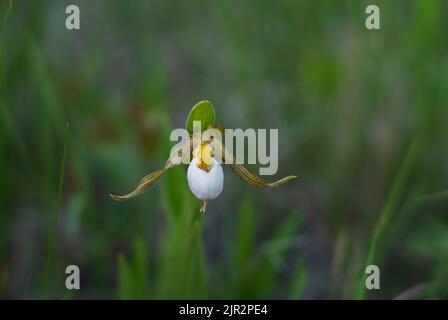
(205, 176)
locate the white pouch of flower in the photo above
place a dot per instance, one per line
(205, 175)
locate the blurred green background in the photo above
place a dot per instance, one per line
(362, 118)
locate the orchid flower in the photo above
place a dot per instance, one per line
(205, 175)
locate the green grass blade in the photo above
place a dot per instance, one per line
(245, 235)
(125, 279)
(299, 281)
(55, 218)
(390, 207)
(133, 282)
(4, 25)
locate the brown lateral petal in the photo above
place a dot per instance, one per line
(144, 185)
(151, 179)
(254, 180)
(244, 174)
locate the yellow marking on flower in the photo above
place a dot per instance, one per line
(204, 154)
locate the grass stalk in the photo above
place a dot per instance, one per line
(3, 31)
(55, 218)
(387, 213)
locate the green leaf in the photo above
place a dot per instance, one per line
(299, 281)
(196, 286)
(245, 235)
(133, 282)
(204, 112)
(125, 279)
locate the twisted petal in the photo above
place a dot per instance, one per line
(242, 172)
(151, 179)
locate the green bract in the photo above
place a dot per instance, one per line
(202, 111)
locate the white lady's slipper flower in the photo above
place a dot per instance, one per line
(205, 176)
